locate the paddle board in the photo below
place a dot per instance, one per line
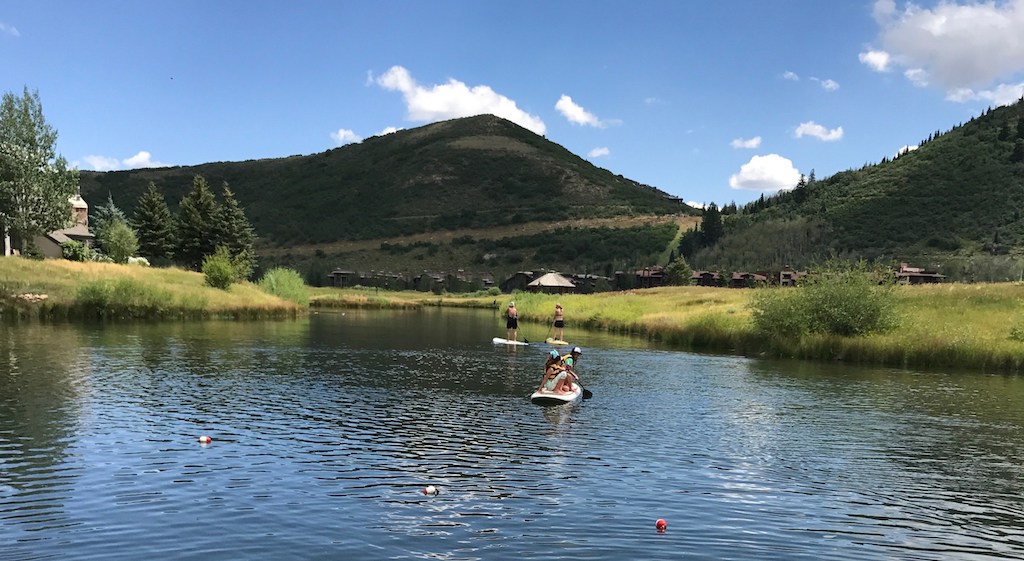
(551, 341)
(500, 341)
(545, 397)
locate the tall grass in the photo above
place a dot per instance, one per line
(108, 290)
(287, 284)
(940, 326)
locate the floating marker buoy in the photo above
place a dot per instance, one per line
(205, 439)
(661, 525)
(430, 490)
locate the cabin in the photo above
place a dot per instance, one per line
(49, 244)
(706, 278)
(917, 275)
(552, 283)
(650, 277)
(747, 280)
(789, 277)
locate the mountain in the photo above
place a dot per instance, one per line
(955, 201)
(473, 173)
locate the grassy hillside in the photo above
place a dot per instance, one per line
(478, 173)
(956, 201)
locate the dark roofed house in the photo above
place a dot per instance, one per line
(706, 278)
(789, 277)
(650, 277)
(746, 280)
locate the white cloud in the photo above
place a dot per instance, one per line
(102, 163)
(142, 159)
(599, 152)
(957, 45)
(695, 204)
(1003, 94)
(905, 150)
(576, 114)
(810, 128)
(389, 130)
(879, 61)
(746, 142)
(9, 30)
(344, 136)
(454, 99)
(790, 76)
(828, 84)
(653, 101)
(917, 76)
(766, 173)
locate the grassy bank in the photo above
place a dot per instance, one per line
(974, 326)
(59, 289)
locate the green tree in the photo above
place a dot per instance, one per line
(233, 230)
(119, 241)
(35, 183)
(1018, 152)
(105, 214)
(196, 217)
(678, 272)
(711, 227)
(154, 224)
(218, 270)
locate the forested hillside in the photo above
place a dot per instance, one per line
(476, 172)
(955, 203)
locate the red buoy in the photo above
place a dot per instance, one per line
(661, 525)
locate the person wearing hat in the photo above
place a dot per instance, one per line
(574, 355)
(557, 376)
(511, 322)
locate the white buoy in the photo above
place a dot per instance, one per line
(205, 439)
(430, 490)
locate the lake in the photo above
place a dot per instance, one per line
(326, 430)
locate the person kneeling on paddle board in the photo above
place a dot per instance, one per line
(574, 355)
(556, 375)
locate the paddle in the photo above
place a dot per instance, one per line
(587, 394)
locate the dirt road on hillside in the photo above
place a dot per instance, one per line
(686, 222)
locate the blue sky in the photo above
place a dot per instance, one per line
(715, 101)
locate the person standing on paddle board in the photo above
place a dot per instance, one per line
(512, 322)
(559, 322)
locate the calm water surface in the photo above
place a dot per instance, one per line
(325, 432)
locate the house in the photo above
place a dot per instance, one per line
(518, 281)
(650, 277)
(917, 275)
(789, 277)
(552, 283)
(706, 278)
(747, 280)
(49, 243)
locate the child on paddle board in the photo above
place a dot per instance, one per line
(556, 374)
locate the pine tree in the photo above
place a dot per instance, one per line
(196, 217)
(233, 230)
(154, 224)
(102, 217)
(711, 228)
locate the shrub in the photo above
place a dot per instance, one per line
(76, 251)
(842, 299)
(218, 269)
(118, 241)
(287, 284)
